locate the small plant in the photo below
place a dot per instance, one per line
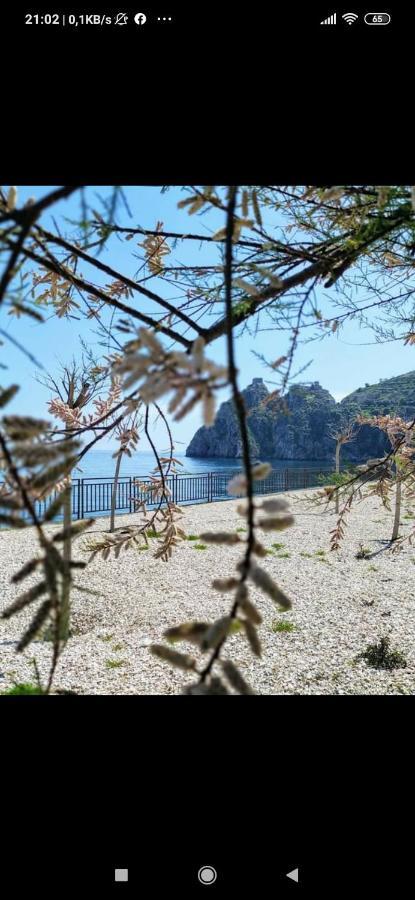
(143, 547)
(306, 555)
(372, 569)
(192, 537)
(339, 479)
(117, 647)
(278, 546)
(363, 552)
(114, 663)
(240, 529)
(107, 637)
(320, 553)
(24, 688)
(152, 533)
(285, 555)
(379, 656)
(200, 546)
(279, 625)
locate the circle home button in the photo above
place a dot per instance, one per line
(207, 875)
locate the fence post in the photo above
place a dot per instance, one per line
(81, 484)
(209, 486)
(286, 480)
(130, 500)
(79, 499)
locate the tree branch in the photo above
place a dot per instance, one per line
(101, 295)
(134, 285)
(241, 415)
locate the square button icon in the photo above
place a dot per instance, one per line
(121, 875)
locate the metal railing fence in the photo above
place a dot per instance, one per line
(92, 496)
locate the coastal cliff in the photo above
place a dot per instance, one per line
(298, 425)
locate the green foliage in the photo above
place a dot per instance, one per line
(379, 656)
(114, 663)
(306, 555)
(320, 556)
(394, 395)
(278, 546)
(240, 529)
(281, 625)
(243, 307)
(192, 537)
(200, 546)
(23, 689)
(337, 479)
(285, 555)
(363, 552)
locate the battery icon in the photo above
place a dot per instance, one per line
(377, 18)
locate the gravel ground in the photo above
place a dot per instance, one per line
(340, 604)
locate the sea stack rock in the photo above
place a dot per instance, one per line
(298, 425)
(223, 438)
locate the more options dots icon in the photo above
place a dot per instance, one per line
(121, 875)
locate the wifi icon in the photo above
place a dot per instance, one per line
(350, 18)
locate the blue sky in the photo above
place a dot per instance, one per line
(340, 363)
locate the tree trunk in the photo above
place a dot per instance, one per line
(397, 518)
(66, 555)
(337, 472)
(114, 491)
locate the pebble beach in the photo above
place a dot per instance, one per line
(340, 604)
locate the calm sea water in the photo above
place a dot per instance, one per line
(95, 497)
(101, 465)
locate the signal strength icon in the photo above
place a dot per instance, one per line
(350, 18)
(330, 21)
